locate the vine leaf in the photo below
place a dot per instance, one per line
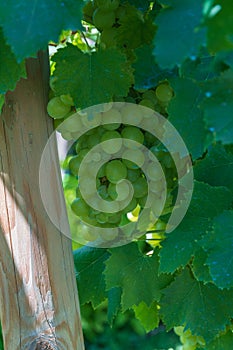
(222, 342)
(183, 108)
(114, 303)
(199, 268)
(203, 308)
(99, 76)
(136, 274)
(12, 71)
(89, 266)
(218, 106)
(218, 245)
(28, 28)
(147, 315)
(220, 28)
(216, 168)
(179, 19)
(178, 247)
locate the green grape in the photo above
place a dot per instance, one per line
(114, 218)
(150, 95)
(102, 218)
(73, 123)
(131, 113)
(131, 206)
(119, 192)
(136, 157)
(87, 233)
(52, 81)
(113, 118)
(154, 172)
(147, 103)
(149, 139)
(67, 100)
(91, 121)
(164, 92)
(107, 5)
(116, 171)
(140, 187)
(101, 172)
(133, 174)
(57, 109)
(80, 208)
(74, 165)
(134, 134)
(116, 142)
(103, 19)
(108, 36)
(103, 191)
(93, 140)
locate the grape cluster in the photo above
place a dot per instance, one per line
(189, 341)
(122, 160)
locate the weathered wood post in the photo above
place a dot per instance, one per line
(39, 303)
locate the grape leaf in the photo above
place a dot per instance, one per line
(200, 68)
(218, 106)
(216, 168)
(136, 274)
(223, 342)
(220, 27)
(200, 269)
(133, 22)
(91, 78)
(178, 247)
(11, 71)
(89, 266)
(148, 316)
(183, 109)
(114, 303)
(29, 25)
(203, 308)
(141, 5)
(147, 73)
(218, 245)
(178, 35)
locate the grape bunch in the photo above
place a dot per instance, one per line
(189, 341)
(123, 155)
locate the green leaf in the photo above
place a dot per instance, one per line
(136, 274)
(10, 71)
(200, 69)
(203, 308)
(223, 342)
(147, 315)
(200, 269)
(220, 27)
(89, 266)
(147, 73)
(133, 22)
(216, 168)
(81, 75)
(218, 106)
(178, 35)
(184, 109)
(218, 245)
(114, 303)
(141, 5)
(178, 247)
(29, 25)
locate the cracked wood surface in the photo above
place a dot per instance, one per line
(39, 304)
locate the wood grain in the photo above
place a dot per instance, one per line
(39, 304)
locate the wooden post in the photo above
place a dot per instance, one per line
(39, 304)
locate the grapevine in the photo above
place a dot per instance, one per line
(121, 72)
